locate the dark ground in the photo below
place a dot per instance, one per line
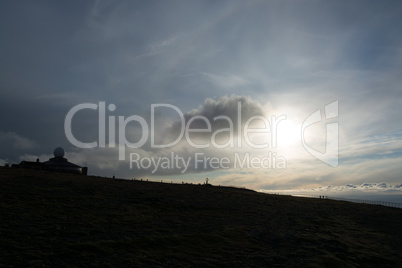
(64, 220)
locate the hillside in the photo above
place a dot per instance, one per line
(64, 220)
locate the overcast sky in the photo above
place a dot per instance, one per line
(275, 58)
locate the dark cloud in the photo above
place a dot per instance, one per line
(220, 114)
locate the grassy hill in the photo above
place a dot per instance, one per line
(65, 220)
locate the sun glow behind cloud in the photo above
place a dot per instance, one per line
(288, 133)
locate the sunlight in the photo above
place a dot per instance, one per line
(288, 134)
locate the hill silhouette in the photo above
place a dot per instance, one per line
(65, 220)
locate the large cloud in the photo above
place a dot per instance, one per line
(222, 115)
(220, 142)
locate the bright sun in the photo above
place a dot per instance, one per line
(288, 133)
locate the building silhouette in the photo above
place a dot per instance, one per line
(57, 163)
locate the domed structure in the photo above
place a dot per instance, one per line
(58, 152)
(57, 163)
(61, 164)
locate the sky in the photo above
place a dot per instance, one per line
(262, 66)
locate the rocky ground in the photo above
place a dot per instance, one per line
(64, 220)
